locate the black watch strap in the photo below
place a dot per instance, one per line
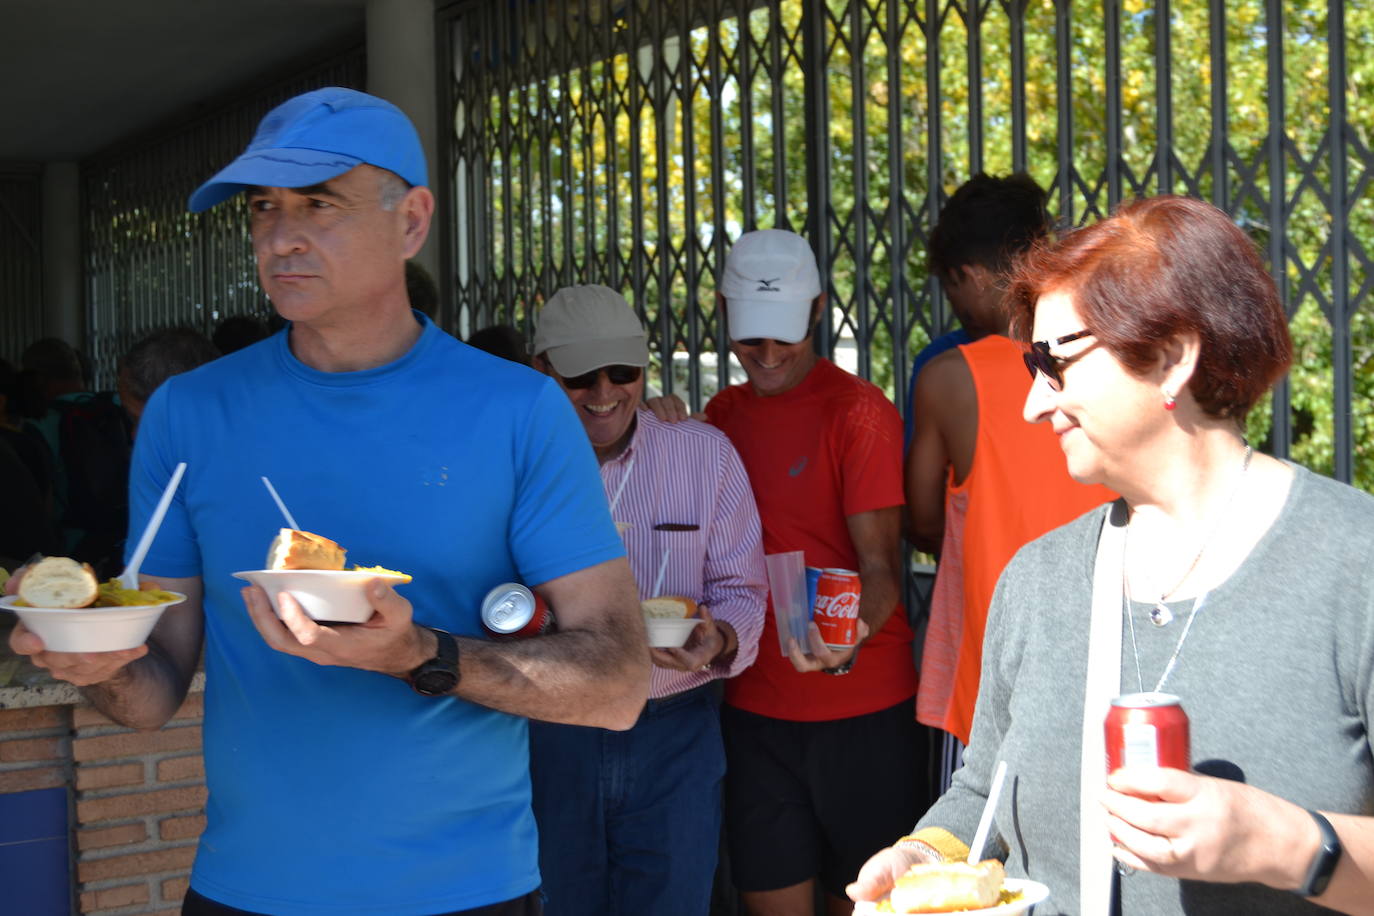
(440, 674)
(1324, 865)
(843, 668)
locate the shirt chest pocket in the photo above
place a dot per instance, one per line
(667, 557)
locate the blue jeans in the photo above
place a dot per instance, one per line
(629, 822)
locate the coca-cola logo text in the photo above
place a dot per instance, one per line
(845, 604)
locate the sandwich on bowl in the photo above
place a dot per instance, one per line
(292, 549)
(668, 607)
(947, 887)
(61, 582)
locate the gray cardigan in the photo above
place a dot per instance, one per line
(1277, 677)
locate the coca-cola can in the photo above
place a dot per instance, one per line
(836, 610)
(1147, 729)
(512, 611)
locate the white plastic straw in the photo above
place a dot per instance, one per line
(662, 570)
(129, 578)
(281, 505)
(980, 837)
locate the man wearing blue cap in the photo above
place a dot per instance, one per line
(376, 768)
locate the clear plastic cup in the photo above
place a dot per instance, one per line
(787, 586)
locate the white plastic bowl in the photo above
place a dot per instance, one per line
(326, 595)
(669, 632)
(91, 629)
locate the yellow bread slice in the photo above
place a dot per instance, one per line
(292, 549)
(944, 887)
(59, 582)
(669, 607)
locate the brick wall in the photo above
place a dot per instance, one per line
(34, 748)
(139, 810)
(139, 800)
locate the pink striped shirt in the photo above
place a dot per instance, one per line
(689, 474)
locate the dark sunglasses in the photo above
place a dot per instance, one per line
(1038, 358)
(618, 375)
(759, 341)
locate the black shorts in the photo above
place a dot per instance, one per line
(528, 905)
(816, 799)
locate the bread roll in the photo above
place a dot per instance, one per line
(59, 582)
(292, 549)
(943, 887)
(669, 606)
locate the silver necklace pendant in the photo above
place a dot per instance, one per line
(1160, 615)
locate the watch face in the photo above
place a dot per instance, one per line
(434, 682)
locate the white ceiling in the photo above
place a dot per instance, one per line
(77, 76)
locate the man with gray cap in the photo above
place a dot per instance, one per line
(376, 767)
(821, 742)
(629, 822)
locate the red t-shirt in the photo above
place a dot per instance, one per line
(827, 449)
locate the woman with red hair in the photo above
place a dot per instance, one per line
(1239, 583)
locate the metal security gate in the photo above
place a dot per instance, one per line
(629, 142)
(21, 258)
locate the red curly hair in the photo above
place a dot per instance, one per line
(1158, 268)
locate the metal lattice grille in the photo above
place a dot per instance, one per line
(591, 148)
(627, 143)
(152, 264)
(21, 249)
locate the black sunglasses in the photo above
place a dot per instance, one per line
(758, 342)
(1038, 358)
(618, 375)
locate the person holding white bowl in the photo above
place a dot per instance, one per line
(682, 501)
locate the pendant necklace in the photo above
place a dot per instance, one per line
(1160, 615)
(1173, 659)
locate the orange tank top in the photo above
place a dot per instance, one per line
(1017, 489)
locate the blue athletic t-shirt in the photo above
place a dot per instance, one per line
(334, 790)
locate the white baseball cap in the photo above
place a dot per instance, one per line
(582, 328)
(769, 283)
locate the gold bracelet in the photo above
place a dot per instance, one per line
(910, 842)
(946, 846)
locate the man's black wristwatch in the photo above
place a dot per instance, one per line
(1328, 854)
(843, 668)
(440, 674)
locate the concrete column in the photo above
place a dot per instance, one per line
(64, 313)
(400, 69)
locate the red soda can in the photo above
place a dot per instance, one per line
(836, 610)
(1147, 729)
(511, 611)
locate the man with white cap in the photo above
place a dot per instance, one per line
(822, 742)
(377, 767)
(629, 822)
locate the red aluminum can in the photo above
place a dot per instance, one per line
(1147, 729)
(511, 611)
(836, 610)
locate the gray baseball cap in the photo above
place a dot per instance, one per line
(582, 328)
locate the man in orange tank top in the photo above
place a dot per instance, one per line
(980, 481)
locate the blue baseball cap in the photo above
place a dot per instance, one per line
(317, 136)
